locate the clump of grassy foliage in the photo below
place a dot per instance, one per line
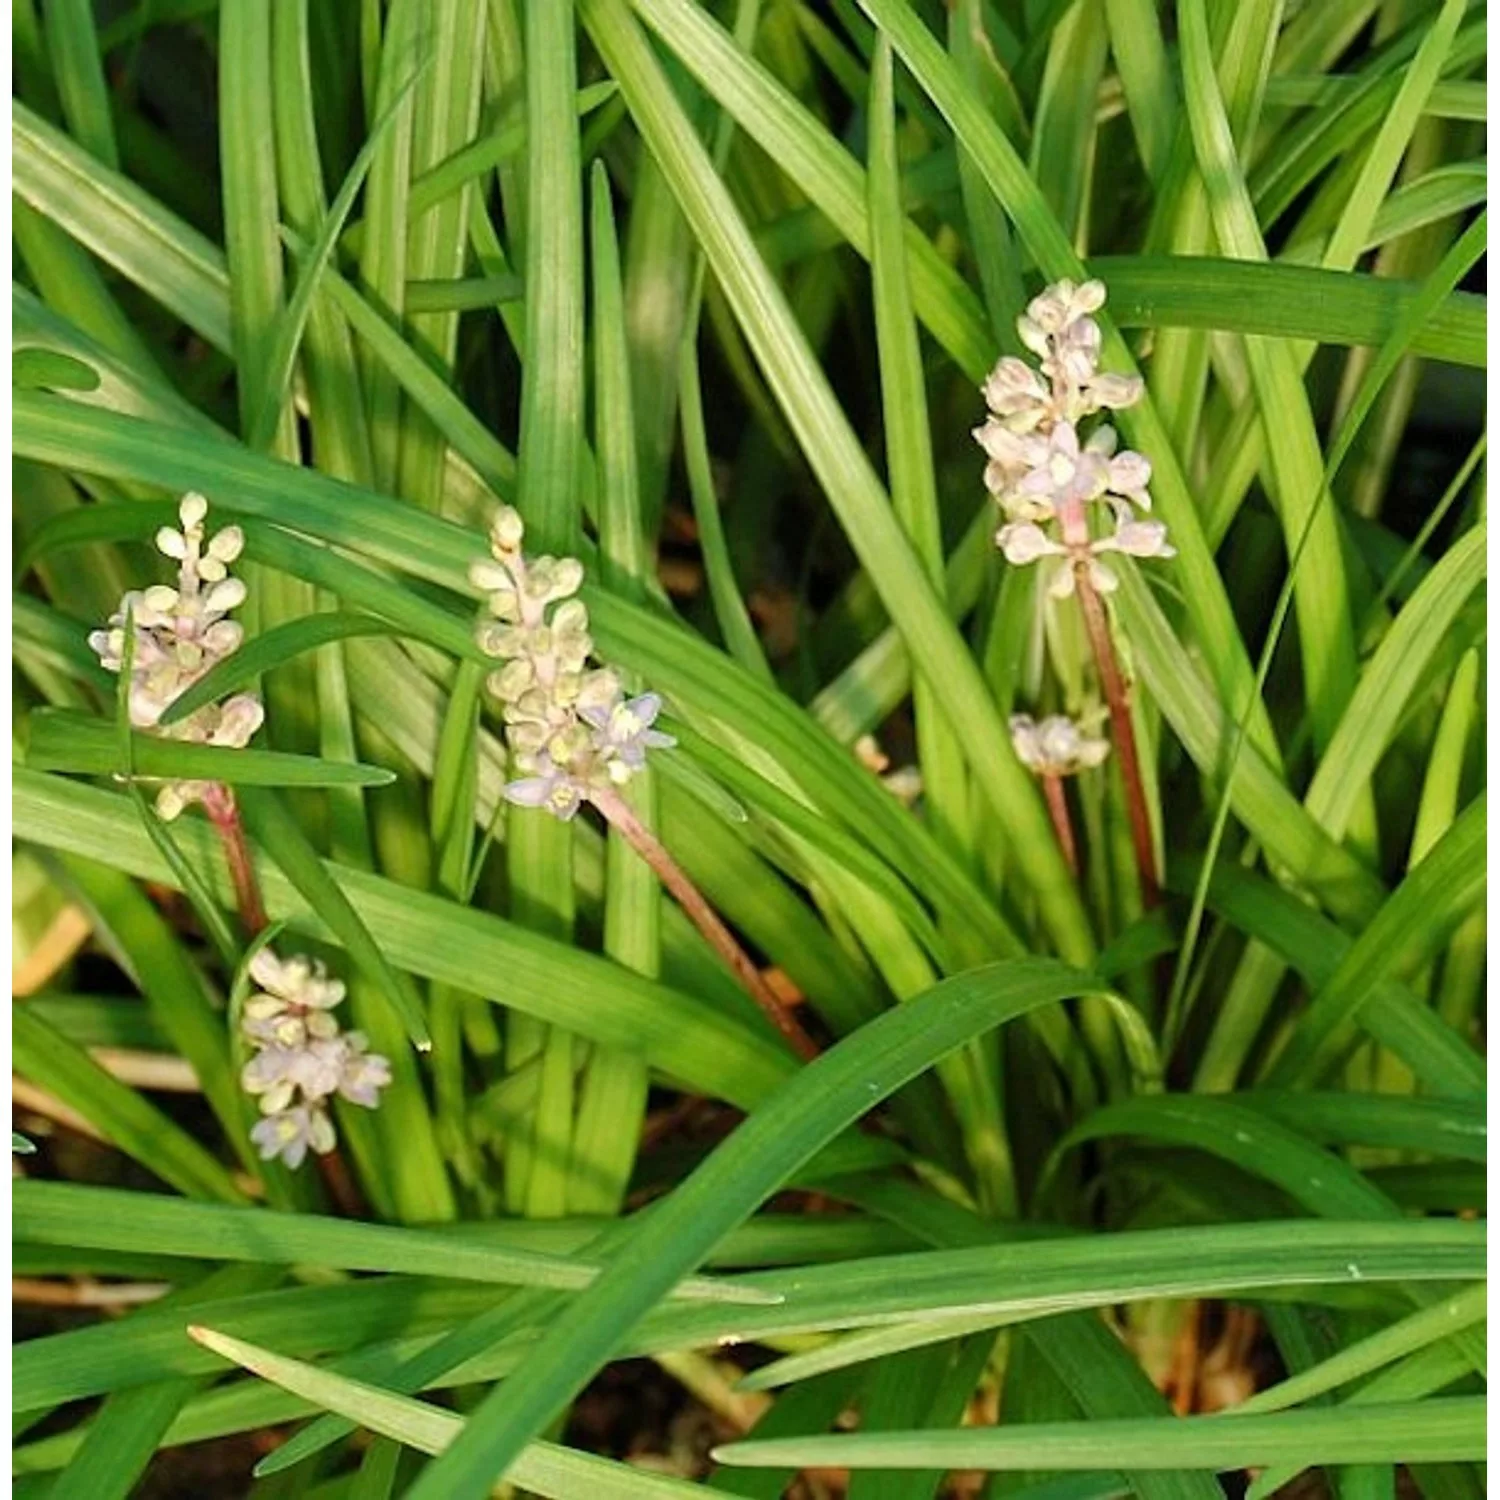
(1113, 1104)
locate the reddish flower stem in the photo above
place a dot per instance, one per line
(621, 816)
(224, 814)
(1062, 822)
(341, 1187)
(1117, 695)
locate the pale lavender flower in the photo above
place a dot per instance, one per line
(294, 984)
(1025, 542)
(314, 1066)
(1043, 472)
(1056, 745)
(623, 732)
(179, 635)
(288, 1026)
(319, 1066)
(364, 1073)
(1040, 474)
(302, 1057)
(290, 1133)
(1122, 474)
(268, 1077)
(552, 788)
(1137, 538)
(1012, 456)
(1062, 472)
(568, 728)
(1016, 395)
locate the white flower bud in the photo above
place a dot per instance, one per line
(507, 529)
(527, 738)
(1011, 385)
(241, 717)
(1089, 298)
(1103, 440)
(265, 969)
(490, 577)
(223, 637)
(1129, 474)
(1056, 746)
(1103, 577)
(227, 545)
(1032, 334)
(540, 579)
(599, 690)
(572, 649)
(1115, 392)
(512, 680)
(224, 596)
(533, 704)
(1023, 542)
(1137, 538)
(171, 543)
(169, 802)
(321, 1134)
(501, 640)
(570, 616)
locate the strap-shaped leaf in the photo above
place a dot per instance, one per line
(61, 740)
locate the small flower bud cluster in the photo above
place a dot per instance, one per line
(302, 1058)
(1056, 745)
(180, 634)
(1039, 470)
(569, 726)
(904, 783)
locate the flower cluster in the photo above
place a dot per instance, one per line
(569, 726)
(179, 635)
(302, 1058)
(1056, 745)
(1042, 473)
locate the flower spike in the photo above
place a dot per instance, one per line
(1050, 480)
(181, 634)
(302, 1058)
(571, 731)
(1040, 470)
